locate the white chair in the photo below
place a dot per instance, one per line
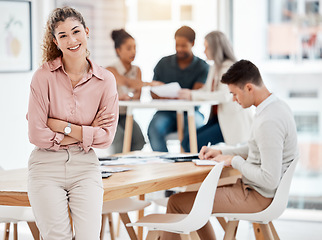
(184, 224)
(121, 206)
(265, 217)
(14, 214)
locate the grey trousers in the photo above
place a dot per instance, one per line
(61, 181)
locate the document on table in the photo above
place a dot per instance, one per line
(169, 90)
(205, 162)
(113, 169)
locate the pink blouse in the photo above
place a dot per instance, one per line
(53, 96)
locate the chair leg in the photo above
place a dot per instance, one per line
(118, 226)
(130, 230)
(185, 236)
(153, 235)
(111, 225)
(102, 234)
(266, 231)
(258, 232)
(231, 230)
(275, 235)
(34, 230)
(15, 231)
(6, 231)
(222, 222)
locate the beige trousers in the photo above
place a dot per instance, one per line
(234, 198)
(63, 180)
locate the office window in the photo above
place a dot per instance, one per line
(186, 13)
(151, 10)
(307, 122)
(295, 29)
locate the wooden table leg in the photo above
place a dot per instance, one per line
(140, 215)
(15, 231)
(180, 128)
(128, 133)
(192, 134)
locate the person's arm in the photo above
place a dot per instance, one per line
(221, 93)
(102, 119)
(241, 151)
(201, 76)
(270, 139)
(102, 137)
(39, 133)
(135, 83)
(57, 125)
(197, 85)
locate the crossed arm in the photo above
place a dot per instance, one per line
(102, 119)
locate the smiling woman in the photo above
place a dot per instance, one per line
(64, 125)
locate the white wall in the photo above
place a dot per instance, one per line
(249, 29)
(14, 92)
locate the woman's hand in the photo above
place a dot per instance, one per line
(154, 83)
(184, 94)
(103, 119)
(207, 153)
(124, 97)
(56, 125)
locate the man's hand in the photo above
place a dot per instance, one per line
(224, 158)
(207, 153)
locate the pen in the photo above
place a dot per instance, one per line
(209, 144)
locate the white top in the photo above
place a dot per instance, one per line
(132, 74)
(271, 147)
(234, 121)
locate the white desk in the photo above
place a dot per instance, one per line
(179, 106)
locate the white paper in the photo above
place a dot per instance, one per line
(205, 162)
(169, 90)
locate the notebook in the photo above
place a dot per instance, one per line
(204, 162)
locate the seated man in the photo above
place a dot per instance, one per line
(262, 162)
(186, 69)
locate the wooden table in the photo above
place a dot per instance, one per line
(141, 179)
(180, 106)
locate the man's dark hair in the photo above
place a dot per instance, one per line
(241, 73)
(186, 32)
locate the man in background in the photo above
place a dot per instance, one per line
(190, 72)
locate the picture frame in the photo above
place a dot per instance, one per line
(15, 36)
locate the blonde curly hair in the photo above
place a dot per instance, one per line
(49, 48)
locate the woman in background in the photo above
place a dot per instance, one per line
(228, 122)
(129, 84)
(71, 101)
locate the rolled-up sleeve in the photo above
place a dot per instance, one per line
(98, 137)
(38, 131)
